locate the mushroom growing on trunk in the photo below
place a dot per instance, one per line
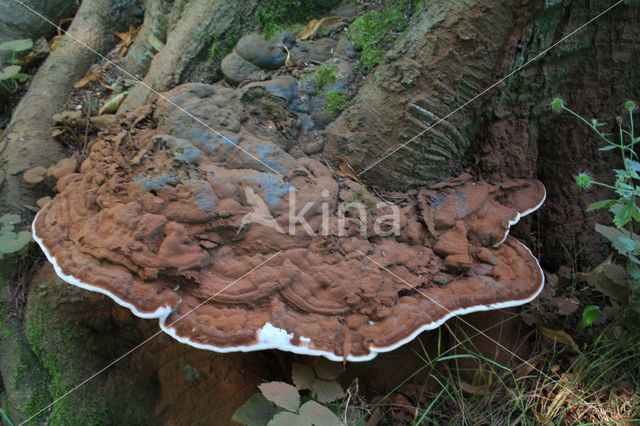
(234, 244)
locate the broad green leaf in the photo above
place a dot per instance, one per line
(604, 204)
(319, 414)
(622, 241)
(11, 242)
(9, 72)
(288, 419)
(590, 315)
(6, 227)
(302, 376)
(282, 394)
(10, 218)
(22, 77)
(327, 391)
(255, 412)
(622, 213)
(17, 45)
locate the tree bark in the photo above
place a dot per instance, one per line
(27, 141)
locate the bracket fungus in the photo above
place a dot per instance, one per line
(255, 248)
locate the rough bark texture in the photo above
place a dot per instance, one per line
(595, 71)
(189, 53)
(27, 141)
(450, 52)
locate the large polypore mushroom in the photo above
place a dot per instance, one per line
(165, 218)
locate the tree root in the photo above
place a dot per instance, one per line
(27, 142)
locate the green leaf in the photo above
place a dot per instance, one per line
(327, 391)
(17, 45)
(22, 77)
(9, 72)
(590, 315)
(111, 105)
(282, 394)
(622, 213)
(604, 204)
(622, 241)
(10, 242)
(255, 412)
(319, 414)
(10, 218)
(608, 147)
(288, 419)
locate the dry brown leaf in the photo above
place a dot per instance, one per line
(565, 305)
(64, 116)
(327, 370)
(478, 390)
(55, 42)
(557, 336)
(310, 31)
(89, 76)
(103, 121)
(345, 170)
(126, 39)
(302, 376)
(528, 367)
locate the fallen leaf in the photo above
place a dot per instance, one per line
(65, 116)
(557, 336)
(126, 39)
(89, 76)
(102, 121)
(112, 105)
(55, 42)
(565, 305)
(314, 25)
(345, 170)
(302, 376)
(58, 130)
(327, 370)
(155, 43)
(478, 390)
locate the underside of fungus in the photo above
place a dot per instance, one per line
(175, 222)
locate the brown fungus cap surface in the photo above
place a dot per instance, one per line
(165, 217)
